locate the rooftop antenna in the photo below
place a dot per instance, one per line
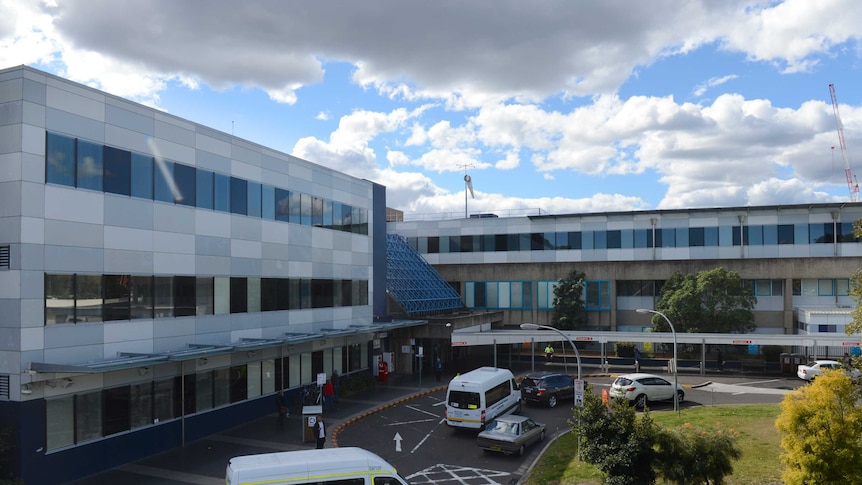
(468, 185)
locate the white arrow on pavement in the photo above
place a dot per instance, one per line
(397, 440)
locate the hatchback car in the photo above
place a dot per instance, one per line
(641, 388)
(510, 434)
(548, 388)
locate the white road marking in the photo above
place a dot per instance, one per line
(411, 422)
(442, 473)
(737, 389)
(427, 436)
(423, 411)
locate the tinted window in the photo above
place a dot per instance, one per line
(238, 196)
(163, 181)
(89, 165)
(464, 400)
(59, 160)
(118, 171)
(184, 177)
(221, 185)
(204, 189)
(142, 176)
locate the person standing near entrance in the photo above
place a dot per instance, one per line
(280, 408)
(549, 353)
(320, 432)
(637, 360)
(438, 369)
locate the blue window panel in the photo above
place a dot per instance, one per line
(562, 240)
(667, 238)
(696, 237)
(186, 180)
(59, 160)
(238, 196)
(727, 236)
(785, 234)
(800, 233)
(597, 295)
(642, 238)
(770, 235)
(454, 244)
(819, 233)
(295, 207)
(575, 240)
(328, 207)
(282, 205)
(587, 240)
(842, 287)
(489, 242)
(163, 184)
(267, 200)
(222, 192)
(89, 165)
(204, 189)
(845, 232)
(614, 239)
(513, 242)
(681, 237)
(826, 287)
(337, 222)
(755, 234)
(346, 218)
(305, 211)
(525, 242)
(470, 294)
(491, 299)
(710, 236)
(118, 171)
(317, 212)
(627, 238)
(142, 176)
(254, 199)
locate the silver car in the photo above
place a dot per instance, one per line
(510, 434)
(641, 388)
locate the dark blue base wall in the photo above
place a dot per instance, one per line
(30, 462)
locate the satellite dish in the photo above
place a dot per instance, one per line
(469, 183)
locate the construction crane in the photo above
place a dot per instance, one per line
(852, 184)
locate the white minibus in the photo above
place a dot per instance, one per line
(475, 398)
(329, 466)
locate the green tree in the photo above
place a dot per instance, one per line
(821, 432)
(687, 455)
(569, 312)
(712, 301)
(616, 441)
(855, 326)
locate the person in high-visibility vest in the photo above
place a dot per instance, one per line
(549, 353)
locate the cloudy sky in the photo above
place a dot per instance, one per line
(554, 106)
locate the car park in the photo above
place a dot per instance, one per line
(547, 388)
(640, 388)
(511, 434)
(807, 372)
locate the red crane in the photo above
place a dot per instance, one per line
(852, 184)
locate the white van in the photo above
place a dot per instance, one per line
(329, 466)
(475, 398)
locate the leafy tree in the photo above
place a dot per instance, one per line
(569, 312)
(688, 455)
(712, 301)
(855, 326)
(821, 432)
(616, 441)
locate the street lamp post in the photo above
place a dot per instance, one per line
(675, 363)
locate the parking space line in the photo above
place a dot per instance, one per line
(422, 411)
(410, 422)
(427, 436)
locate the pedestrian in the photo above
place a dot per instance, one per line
(549, 353)
(320, 432)
(438, 369)
(847, 360)
(719, 359)
(280, 408)
(336, 383)
(637, 360)
(328, 395)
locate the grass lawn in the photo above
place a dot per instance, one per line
(758, 440)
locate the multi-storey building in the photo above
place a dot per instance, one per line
(160, 280)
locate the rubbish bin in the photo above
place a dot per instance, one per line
(786, 366)
(382, 371)
(309, 417)
(797, 359)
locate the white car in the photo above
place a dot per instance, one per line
(808, 372)
(641, 388)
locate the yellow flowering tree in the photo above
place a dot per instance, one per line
(821, 432)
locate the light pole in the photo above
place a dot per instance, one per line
(675, 363)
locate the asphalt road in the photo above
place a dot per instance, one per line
(414, 437)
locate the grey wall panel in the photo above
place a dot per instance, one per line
(212, 323)
(74, 125)
(212, 161)
(212, 265)
(172, 343)
(212, 246)
(248, 228)
(126, 139)
(174, 132)
(119, 261)
(68, 259)
(130, 120)
(173, 327)
(32, 199)
(10, 228)
(74, 233)
(11, 112)
(33, 312)
(11, 89)
(129, 212)
(173, 218)
(245, 267)
(10, 138)
(300, 253)
(214, 338)
(35, 91)
(10, 312)
(245, 321)
(32, 284)
(73, 335)
(275, 251)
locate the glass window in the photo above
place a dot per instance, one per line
(185, 179)
(305, 211)
(238, 295)
(141, 297)
(267, 376)
(185, 301)
(800, 233)
(253, 295)
(221, 387)
(727, 236)
(60, 422)
(282, 205)
(267, 202)
(327, 213)
(59, 159)
(842, 287)
(825, 287)
(785, 234)
(770, 235)
(337, 217)
(517, 294)
(238, 383)
(755, 234)
(268, 294)
(163, 183)
(295, 207)
(221, 184)
(295, 294)
(142, 176)
(455, 244)
(164, 400)
(845, 232)
(238, 196)
(305, 293)
(346, 218)
(203, 391)
(254, 200)
(163, 297)
(777, 287)
(88, 298)
(588, 240)
(317, 211)
(59, 298)
(253, 380)
(118, 171)
(614, 239)
(641, 240)
(204, 296)
(696, 236)
(524, 241)
(89, 165)
(818, 233)
(141, 403)
(204, 189)
(88, 416)
(117, 410)
(117, 297)
(667, 238)
(763, 288)
(710, 236)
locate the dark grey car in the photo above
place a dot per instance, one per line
(547, 388)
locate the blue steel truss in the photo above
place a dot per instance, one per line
(413, 283)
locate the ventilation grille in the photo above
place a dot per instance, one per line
(4, 256)
(4, 387)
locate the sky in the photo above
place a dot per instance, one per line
(550, 107)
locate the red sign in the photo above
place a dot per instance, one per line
(850, 344)
(459, 344)
(743, 342)
(587, 339)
